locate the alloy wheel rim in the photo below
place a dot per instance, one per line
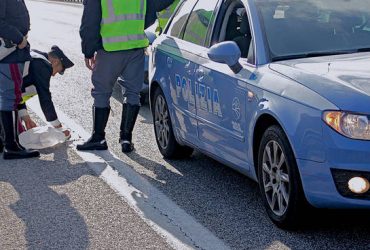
(161, 122)
(275, 178)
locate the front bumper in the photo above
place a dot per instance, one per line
(320, 189)
(343, 155)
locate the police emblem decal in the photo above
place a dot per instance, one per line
(236, 109)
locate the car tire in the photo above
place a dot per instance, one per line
(279, 180)
(164, 135)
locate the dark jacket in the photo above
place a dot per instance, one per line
(40, 73)
(91, 20)
(14, 25)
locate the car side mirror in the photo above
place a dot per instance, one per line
(227, 53)
(151, 36)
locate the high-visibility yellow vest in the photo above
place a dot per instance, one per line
(123, 24)
(165, 15)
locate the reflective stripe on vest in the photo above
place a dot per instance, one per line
(123, 23)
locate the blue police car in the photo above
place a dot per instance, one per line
(276, 89)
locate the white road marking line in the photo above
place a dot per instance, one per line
(179, 229)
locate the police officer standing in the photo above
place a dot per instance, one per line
(14, 27)
(113, 42)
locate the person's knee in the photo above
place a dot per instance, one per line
(101, 100)
(99, 103)
(132, 99)
(102, 87)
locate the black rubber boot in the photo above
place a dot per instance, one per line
(129, 116)
(97, 140)
(12, 148)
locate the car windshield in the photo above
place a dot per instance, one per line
(307, 28)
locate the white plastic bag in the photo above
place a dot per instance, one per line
(41, 137)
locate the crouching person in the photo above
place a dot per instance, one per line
(42, 67)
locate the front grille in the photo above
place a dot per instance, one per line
(341, 178)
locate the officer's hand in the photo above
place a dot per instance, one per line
(30, 124)
(66, 132)
(23, 44)
(90, 63)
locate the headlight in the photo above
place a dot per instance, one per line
(355, 126)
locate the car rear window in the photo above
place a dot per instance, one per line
(178, 22)
(200, 21)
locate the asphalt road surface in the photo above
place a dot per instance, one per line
(61, 203)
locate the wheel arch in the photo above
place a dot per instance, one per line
(181, 149)
(153, 87)
(263, 122)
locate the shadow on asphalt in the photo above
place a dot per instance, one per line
(237, 210)
(50, 219)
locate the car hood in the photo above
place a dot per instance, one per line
(344, 80)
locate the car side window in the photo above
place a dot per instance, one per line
(200, 22)
(235, 27)
(178, 22)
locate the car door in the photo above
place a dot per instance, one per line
(221, 98)
(179, 74)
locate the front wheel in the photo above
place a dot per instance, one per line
(279, 180)
(166, 141)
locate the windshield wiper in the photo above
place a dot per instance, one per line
(310, 54)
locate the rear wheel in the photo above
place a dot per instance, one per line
(166, 141)
(279, 180)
